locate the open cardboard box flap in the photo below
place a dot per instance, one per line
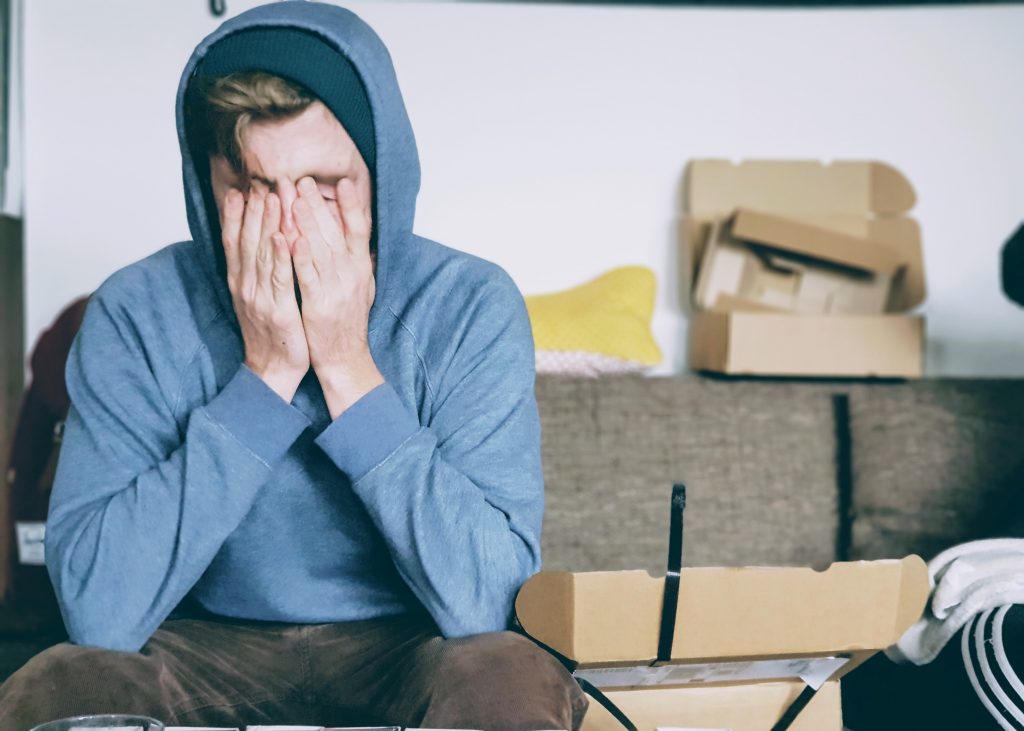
(794, 187)
(760, 259)
(866, 200)
(797, 237)
(607, 618)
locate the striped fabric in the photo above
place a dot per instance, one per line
(994, 666)
(582, 363)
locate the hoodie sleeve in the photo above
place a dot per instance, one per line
(459, 501)
(140, 505)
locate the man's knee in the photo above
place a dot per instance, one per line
(53, 666)
(506, 652)
(67, 665)
(66, 680)
(503, 677)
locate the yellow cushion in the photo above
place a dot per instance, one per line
(609, 316)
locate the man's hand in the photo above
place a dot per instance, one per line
(259, 269)
(335, 275)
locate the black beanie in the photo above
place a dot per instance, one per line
(305, 59)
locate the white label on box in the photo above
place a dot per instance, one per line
(812, 670)
(815, 674)
(30, 543)
(625, 677)
(284, 728)
(198, 728)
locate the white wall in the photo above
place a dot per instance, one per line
(553, 138)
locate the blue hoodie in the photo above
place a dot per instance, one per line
(183, 475)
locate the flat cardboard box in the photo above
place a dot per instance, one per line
(856, 206)
(739, 633)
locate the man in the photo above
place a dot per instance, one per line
(308, 427)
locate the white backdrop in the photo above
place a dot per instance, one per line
(553, 138)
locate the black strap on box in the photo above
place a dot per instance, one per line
(591, 690)
(585, 685)
(668, 625)
(670, 605)
(668, 611)
(794, 709)
(675, 564)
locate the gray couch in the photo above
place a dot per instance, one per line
(778, 472)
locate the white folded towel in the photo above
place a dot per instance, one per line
(966, 579)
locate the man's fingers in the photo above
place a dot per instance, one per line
(252, 224)
(320, 250)
(328, 225)
(354, 213)
(264, 268)
(366, 202)
(230, 226)
(305, 270)
(367, 199)
(281, 279)
(270, 224)
(271, 215)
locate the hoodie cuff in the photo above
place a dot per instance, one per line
(257, 416)
(368, 431)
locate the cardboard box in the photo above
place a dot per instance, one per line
(746, 640)
(776, 251)
(735, 707)
(885, 346)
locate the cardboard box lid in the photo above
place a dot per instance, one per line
(716, 187)
(609, 617)
(865, 199)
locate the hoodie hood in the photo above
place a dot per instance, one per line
(396, 171)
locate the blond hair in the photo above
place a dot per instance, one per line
(226, 105)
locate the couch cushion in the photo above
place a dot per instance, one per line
(935, 463)
(758, 459)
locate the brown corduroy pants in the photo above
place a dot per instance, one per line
(393, 671)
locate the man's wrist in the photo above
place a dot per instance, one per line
(283, 384)
(345, 384)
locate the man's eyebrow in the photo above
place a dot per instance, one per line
(258, 178)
